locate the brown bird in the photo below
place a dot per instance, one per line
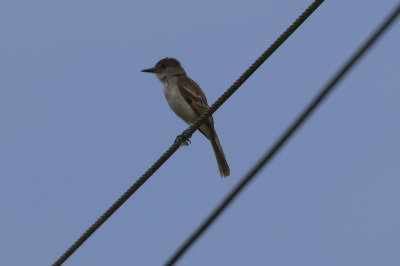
(188, 102)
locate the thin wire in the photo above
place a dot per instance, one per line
(187, 134)
(284, 137)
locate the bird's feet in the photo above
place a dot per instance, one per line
(185, 141)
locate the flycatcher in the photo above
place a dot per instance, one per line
(188, 102)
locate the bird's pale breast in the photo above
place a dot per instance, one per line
(178, 104)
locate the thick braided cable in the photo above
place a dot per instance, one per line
(260, 60)
(187, 133)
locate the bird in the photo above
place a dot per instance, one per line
(188, 101)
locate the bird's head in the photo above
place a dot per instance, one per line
(165, 68)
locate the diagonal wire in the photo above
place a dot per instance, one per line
(284, 137)
(187, 133)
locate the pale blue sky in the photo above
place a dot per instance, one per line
(80, 123)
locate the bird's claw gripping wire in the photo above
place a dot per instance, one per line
(184, 141)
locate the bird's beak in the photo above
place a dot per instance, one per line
(149, 70)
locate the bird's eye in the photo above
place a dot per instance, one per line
(162, 65)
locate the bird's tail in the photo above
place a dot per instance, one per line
(220, 156)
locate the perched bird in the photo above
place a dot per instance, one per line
(188, 102)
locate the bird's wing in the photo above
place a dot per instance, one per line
(195, 97)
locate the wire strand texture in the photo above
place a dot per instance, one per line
(188, 132)
(285, 136)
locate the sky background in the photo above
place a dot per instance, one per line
(79, 123)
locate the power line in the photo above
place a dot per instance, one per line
(284, 137)
(187, 133)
